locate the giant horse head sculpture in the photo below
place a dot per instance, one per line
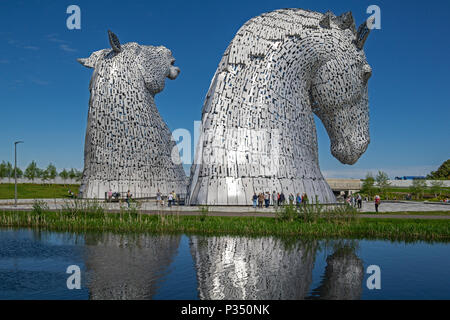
(128, 145)
(280, 69)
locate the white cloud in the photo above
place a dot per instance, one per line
(38, 81)
(66, 48)
(34, 48)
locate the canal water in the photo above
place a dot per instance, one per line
(33, 265)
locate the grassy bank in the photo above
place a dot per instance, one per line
(130, 221)
(37, 191)
(409, 213)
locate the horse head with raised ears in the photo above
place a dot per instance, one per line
(128, 145)
(339, 89)
(152, 64)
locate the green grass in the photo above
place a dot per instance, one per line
(78, 220)
(411, 213)
(406, 189)
(36, 191)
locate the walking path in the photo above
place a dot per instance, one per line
(150, 207)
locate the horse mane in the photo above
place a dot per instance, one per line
(257, 34)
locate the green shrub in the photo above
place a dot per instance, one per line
(39, 207)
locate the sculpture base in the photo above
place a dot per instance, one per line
(240, 191)
(95, 189)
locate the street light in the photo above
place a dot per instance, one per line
(15, 171)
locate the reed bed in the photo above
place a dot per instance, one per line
(93, 217)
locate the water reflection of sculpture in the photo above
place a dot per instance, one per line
(244, 268)
(127, 267)
(343, 275)
(265, 268)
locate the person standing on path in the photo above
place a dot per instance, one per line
(267, 199)
(174, 197)
(255, 200)
(298, 200)
(282, 198)
(291, 199)
(170, 199)
(305, 198)
(158, 198)
(275, 199)
(359, 201)
(377, 202)
(260, 200)
(129, 196)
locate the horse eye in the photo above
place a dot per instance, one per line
(367, 76)
(367, 73)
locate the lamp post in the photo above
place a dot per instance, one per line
(15, 171)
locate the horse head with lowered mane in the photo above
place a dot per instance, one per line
(258, 131)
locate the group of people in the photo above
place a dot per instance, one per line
(116, 195)
(277, 199)
(355, 201)
(171, 198)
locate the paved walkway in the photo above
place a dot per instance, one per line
(150, 207)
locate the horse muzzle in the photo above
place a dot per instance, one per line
(173, 72)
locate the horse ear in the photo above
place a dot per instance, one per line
(363, 33)
(326, 20)
(114, 42)
(346, 21)
(92, 60)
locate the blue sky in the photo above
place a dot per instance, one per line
(44, 91)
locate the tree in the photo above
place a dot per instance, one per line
(3, 171)
(51, 172)
(32, 171)
(436, 187)
(418, 188)
(39, 173)
(443, 173)
(78, 175)
(64, 175)
(382, 181)
(72, 174)
(368, 184)
(9, 171)
(19, 172)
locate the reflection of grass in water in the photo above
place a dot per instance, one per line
(37, 191)
(91, 217)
